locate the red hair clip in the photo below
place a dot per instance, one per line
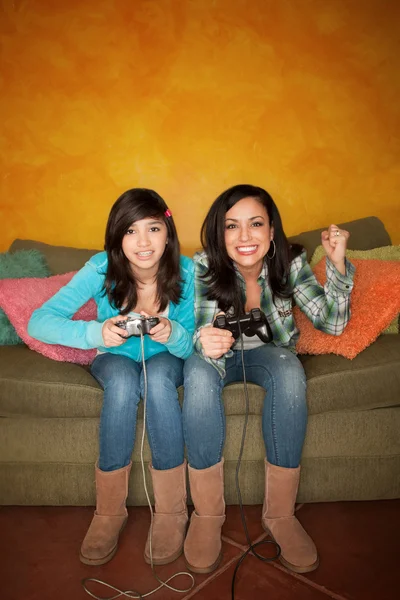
(168, 213)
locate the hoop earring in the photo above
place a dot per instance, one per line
(271, 257)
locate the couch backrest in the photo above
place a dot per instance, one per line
(365, 234)
(61, 259)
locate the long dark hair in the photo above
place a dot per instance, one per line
(221, 277)
(120, 284)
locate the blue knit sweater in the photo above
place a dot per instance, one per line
(53, 324)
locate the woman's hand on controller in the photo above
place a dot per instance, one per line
(112, 334)
(215, 342)
(160, 332)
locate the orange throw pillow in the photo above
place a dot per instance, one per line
(375, 301)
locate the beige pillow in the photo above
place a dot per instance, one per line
(383, 253)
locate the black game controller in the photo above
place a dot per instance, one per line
(135, 326)
(252, 323)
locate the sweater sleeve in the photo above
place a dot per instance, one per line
(53, 324)
(180, 342)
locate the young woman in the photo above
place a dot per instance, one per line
(248, 263)
(141, 272)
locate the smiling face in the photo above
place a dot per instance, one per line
(248, 235)
(144, 244)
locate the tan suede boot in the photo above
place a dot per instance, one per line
(203, 541)
(101, 541)
(298, 552)
(170, 515)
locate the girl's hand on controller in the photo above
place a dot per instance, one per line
(215, 342)
(113, 335)
(160, 332)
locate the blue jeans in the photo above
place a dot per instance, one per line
(284, 417)
(123, 383)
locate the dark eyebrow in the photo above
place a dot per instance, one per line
(149, 223)
(250, 219)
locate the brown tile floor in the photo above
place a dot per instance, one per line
(358, 543)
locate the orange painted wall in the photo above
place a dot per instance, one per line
(190, 97)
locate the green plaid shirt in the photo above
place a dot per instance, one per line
(327, 307)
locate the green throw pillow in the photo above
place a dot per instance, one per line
(383, 253)
(15, 265)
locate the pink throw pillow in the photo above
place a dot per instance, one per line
(20, 297)
(375, 301)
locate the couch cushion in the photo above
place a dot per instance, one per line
(371, 380)
(61, 259)
(334, 383)
(35, 386)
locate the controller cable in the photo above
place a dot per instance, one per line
(252, 546)
(134, 593)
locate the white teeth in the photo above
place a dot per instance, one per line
(246, 249)
(145, 253)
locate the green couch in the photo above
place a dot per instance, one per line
(49, 417)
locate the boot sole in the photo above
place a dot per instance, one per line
(98, 561)
(203, 570)
(287, 564)
(164, 561)
(95, 562)
(297, 569)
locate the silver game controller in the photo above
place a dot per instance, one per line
(136, 326)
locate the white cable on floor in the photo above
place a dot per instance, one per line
(133, 593)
